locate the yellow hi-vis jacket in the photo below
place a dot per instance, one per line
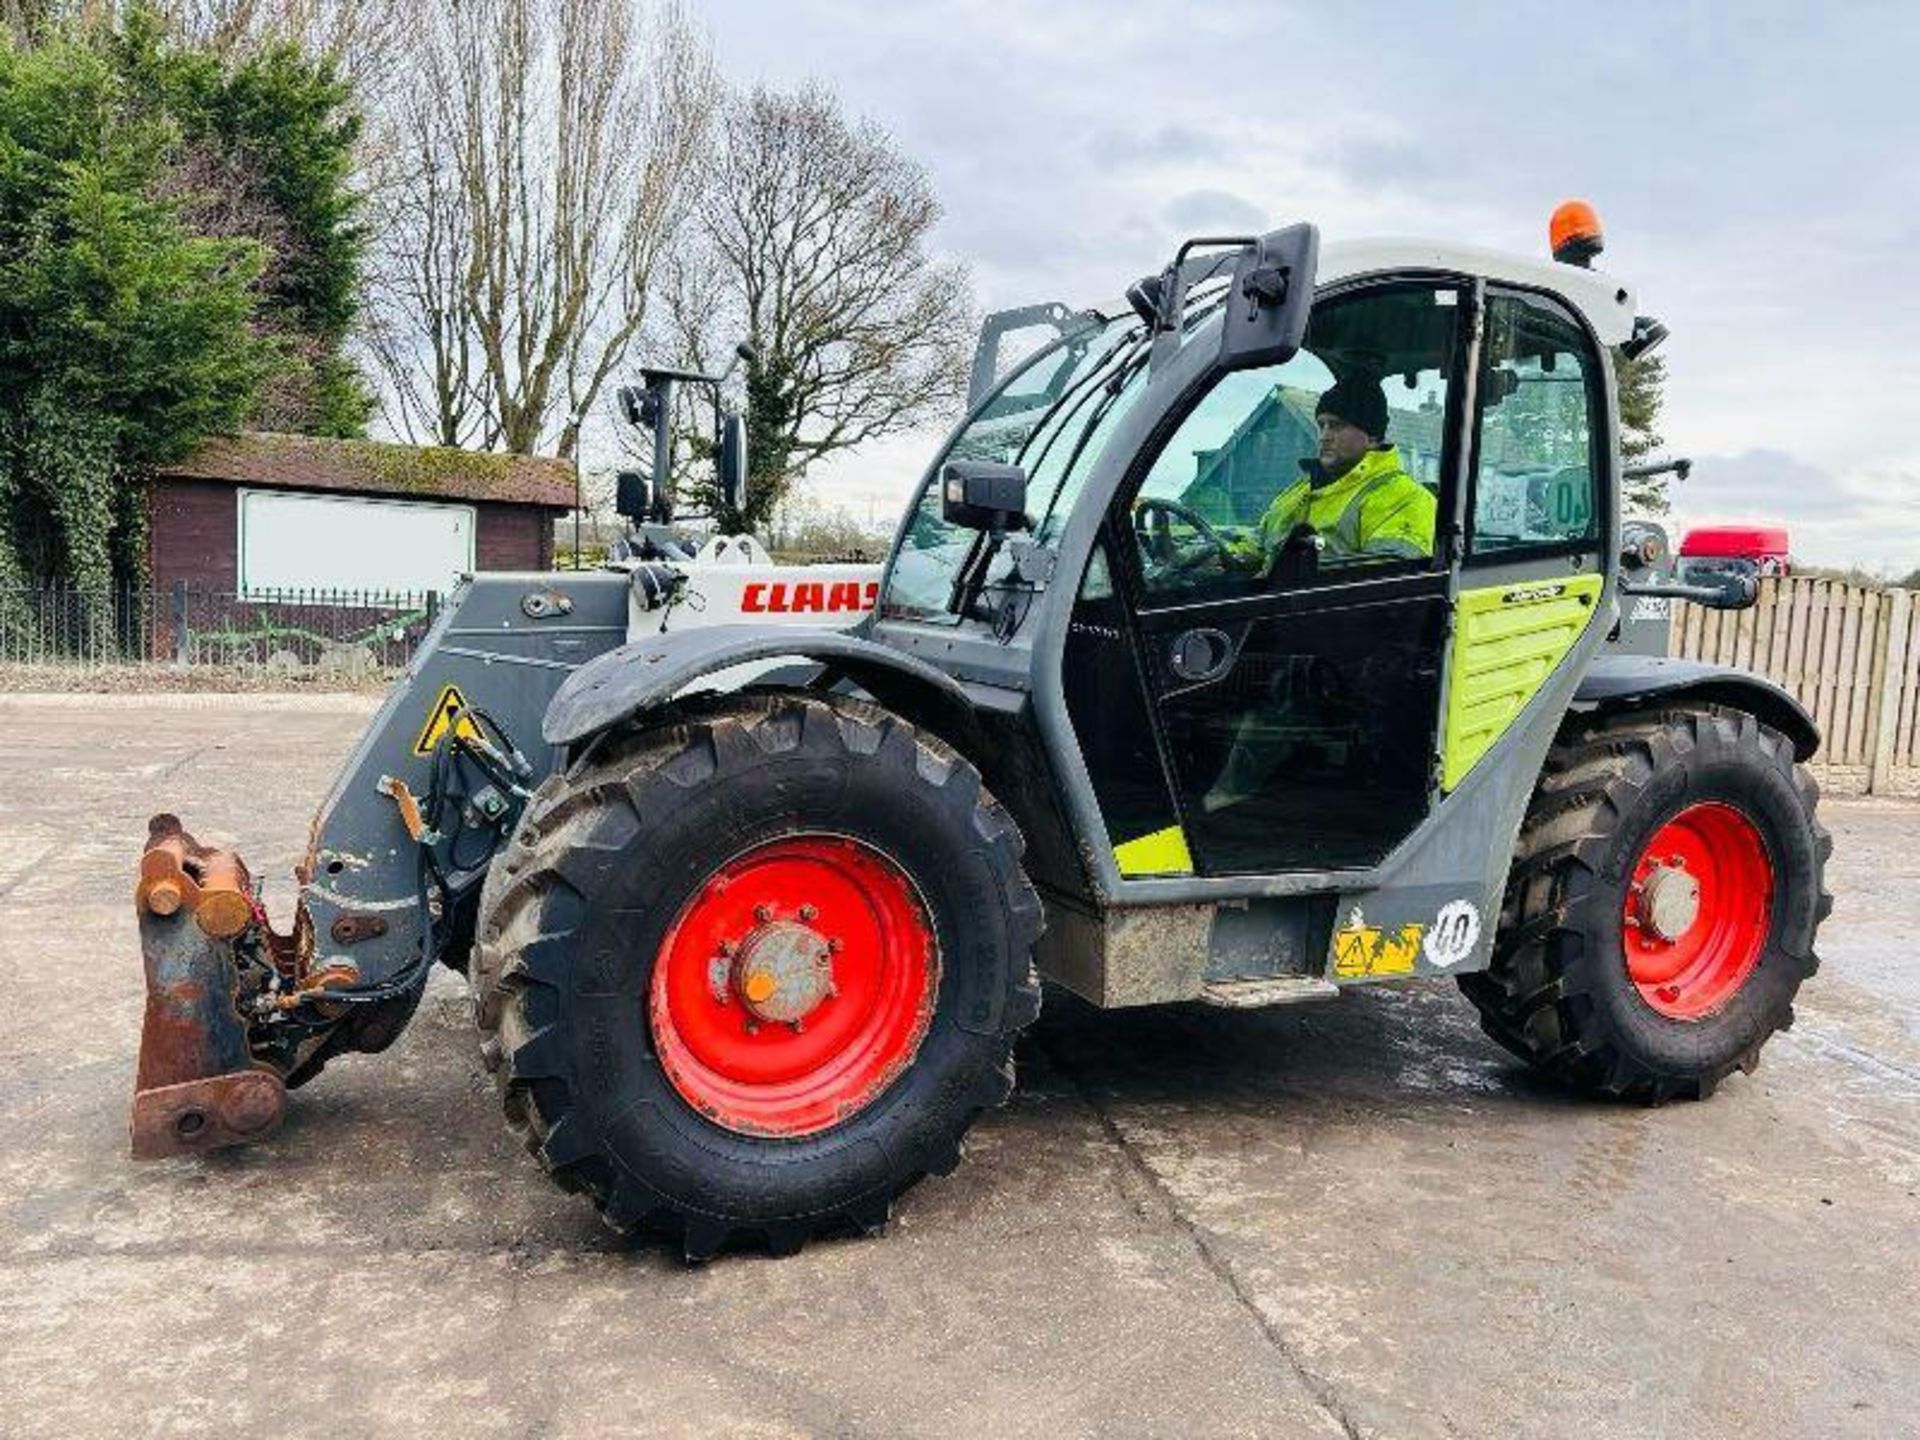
(1375, 509)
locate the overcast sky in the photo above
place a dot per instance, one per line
(1756, 167)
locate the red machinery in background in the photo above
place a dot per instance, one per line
(1712, 547)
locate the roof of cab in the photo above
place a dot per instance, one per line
(1605, 301)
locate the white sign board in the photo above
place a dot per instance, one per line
(294, 541)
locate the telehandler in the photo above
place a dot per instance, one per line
(752, 912)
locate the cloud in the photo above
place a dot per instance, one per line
(1199, 210)
(1868, 517)
(1381, 162)
(1132, 149)
(1766, 483)
(1761, 196)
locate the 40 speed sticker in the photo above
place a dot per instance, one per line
(1453, 934)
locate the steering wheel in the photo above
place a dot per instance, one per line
(1151, 522)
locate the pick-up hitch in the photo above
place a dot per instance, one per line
(239, 1013)
(198, 1086)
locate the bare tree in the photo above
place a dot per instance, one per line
(20, 18)
(419, 319)
(365, 38)
(542, 164)
(816, 236)
(29, 20)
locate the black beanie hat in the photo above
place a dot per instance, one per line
(1358, 401)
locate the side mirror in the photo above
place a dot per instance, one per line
(730, 462)
(1270, 298)
(984, 495)
(633, 495)
(1724, 584)
(1727, 585)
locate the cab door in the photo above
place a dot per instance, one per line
(1295, 688)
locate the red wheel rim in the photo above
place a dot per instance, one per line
(794, 986)
(1697, 911)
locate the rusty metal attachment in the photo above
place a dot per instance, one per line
(353, 927)
(177, 874)
(198, 1086)
(409, 807)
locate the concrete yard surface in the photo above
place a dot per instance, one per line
(1355, 1218)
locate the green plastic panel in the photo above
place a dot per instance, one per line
(1506, 640)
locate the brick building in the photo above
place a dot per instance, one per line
(259, 514)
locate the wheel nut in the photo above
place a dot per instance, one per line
(807, 912)
(763, 913)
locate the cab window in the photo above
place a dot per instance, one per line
(1053, 417)
(1537, 474)
(1327, 466)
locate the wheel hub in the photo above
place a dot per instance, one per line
(794, 986)
(1697, 911)
(783, 972)
(1669, 902)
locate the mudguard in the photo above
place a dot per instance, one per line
(1616, 682)
(621, 683)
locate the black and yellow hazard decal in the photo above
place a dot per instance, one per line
(444, 715)
(1367, 952)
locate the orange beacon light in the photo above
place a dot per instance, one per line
(1574, 233)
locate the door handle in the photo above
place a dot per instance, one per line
(1200, 654)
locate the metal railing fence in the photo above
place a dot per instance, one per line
(296, 631)
(1850, 653)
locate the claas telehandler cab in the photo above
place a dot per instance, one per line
(1249, 640)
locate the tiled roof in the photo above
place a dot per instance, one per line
(373, 467)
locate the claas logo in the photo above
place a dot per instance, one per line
(818, 597)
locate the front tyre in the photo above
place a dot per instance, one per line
(1662, 907)
(754, 970)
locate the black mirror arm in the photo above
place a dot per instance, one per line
(1680, 469)
(1743, 592)
(971, 581)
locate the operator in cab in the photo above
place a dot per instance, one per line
(1364, 506)
(1356, 495)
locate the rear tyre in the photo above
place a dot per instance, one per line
(1661, 910)
(753, 970)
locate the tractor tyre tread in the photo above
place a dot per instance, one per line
(1540, 997)
(533, 906)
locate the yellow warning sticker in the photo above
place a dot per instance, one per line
(1362, 951)
(441, 718)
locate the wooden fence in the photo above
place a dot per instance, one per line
(1852, 656)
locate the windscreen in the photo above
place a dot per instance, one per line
(1052, 417)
